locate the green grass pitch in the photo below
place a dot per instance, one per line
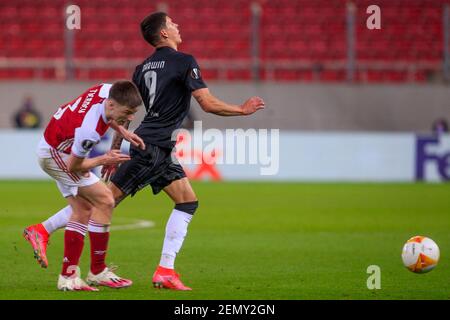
(247, 241)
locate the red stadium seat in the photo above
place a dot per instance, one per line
(291, 30)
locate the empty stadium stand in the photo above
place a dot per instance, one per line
(308, 35)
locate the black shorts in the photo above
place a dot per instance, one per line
(152, 166)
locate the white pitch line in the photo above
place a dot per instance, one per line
(139, 224)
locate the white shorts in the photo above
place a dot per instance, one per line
(68, 183)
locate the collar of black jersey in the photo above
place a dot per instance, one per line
(165, 47)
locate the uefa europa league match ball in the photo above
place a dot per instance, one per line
(420, 254)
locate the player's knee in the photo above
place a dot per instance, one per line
(107, 202)
(110, 203)
(188, 207)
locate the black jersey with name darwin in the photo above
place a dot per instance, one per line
(166, 80)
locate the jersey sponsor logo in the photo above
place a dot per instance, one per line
(195, 73)
(87, 145)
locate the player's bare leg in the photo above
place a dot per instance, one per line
(69, 279)
(38, 235)
(182, 194)
(98, 227)
(99, 224)
(181, 191)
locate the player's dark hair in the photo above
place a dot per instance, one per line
(152, 25)
(125, 93)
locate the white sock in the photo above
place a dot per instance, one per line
(98, 227)
(58, 220)
(77, 227)
(176, 230)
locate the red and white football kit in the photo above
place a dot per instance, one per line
(75, 128)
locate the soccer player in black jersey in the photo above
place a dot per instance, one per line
(166, 81)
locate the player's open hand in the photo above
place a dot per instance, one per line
(114, 157)
(252, 105)
(134, 139)
(108, 171)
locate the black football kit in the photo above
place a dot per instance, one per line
(165, 80)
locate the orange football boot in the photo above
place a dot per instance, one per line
(164, 278)
(37, 236)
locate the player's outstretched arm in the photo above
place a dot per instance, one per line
(131, 137)
(211, 104)
(112, 157)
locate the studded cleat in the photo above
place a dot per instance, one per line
(108, 278)
(164, 278)
(73, 283)
(38, 237)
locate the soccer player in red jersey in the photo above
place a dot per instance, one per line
(166, 81)
(69, 137)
